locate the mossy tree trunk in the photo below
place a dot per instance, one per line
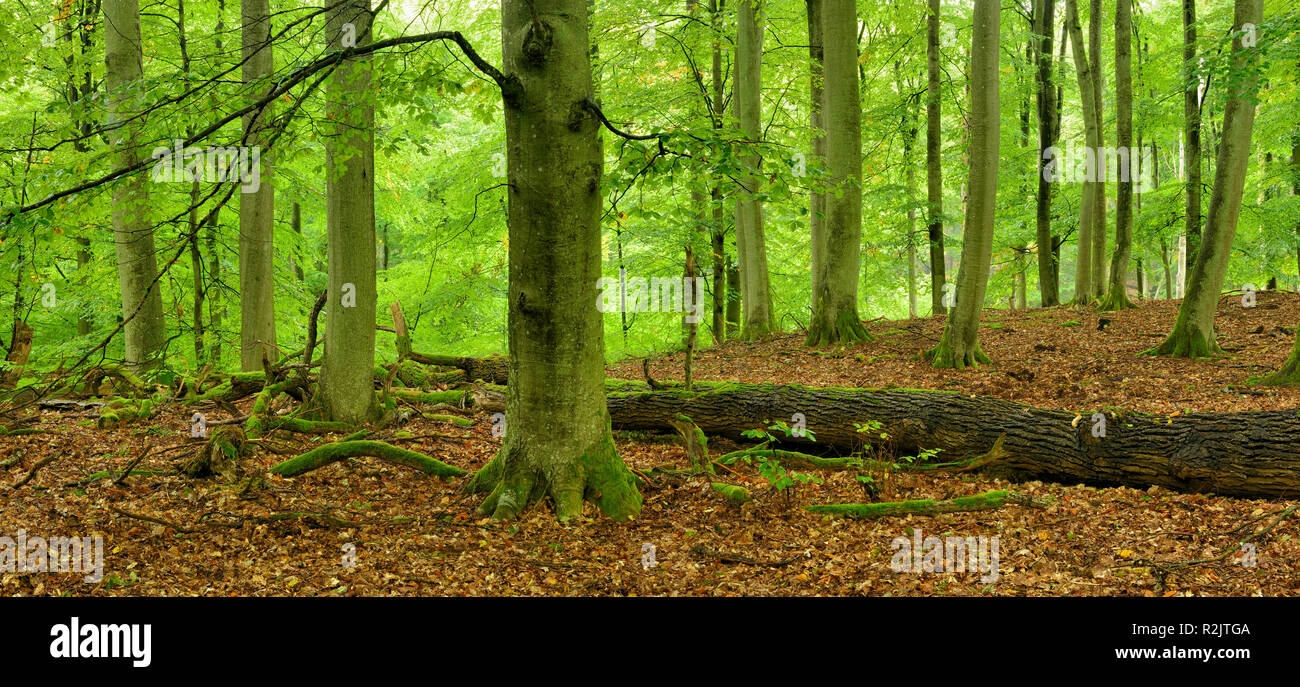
(557, 441)
(257, 209)
(959, 347)
(1116, 297)
(934, 161)
(346, 391)
(137, 269)
(1193, 334)
(759, 318)
(835, 301)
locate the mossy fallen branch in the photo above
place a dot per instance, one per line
(735, 494)
(989, 500)
(330, 453)
(453, 419)
(791, 458)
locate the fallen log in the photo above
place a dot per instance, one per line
(1254, 454)
(494, 369)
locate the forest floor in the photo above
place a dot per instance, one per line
(365, 527)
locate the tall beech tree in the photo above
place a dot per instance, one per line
(722, 296)
(347, 375)
(759, 318)
(257, 209)
(835, 302)
(137, 269)
(557, 440)
(1191, 136)
(1088, 208)
(1097, 280)
(934, 160)
(817, 121)
(959, 347)
(1117, 294)
(1048, 267)
(1193, 333)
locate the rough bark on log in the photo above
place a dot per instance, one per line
(1253, 454)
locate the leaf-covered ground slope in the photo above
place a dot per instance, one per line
(409, 534)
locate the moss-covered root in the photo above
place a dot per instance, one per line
(220, 455)
(989, 500)
(1187, 341)
(308, 426)
(523, 473)
(120, 411)
(452, 419)
(331, 453)
(735, 495)
(259, 418)
(1116, 299)
(697, 445)
(1288, 374)
(844, 328)
(949, 356)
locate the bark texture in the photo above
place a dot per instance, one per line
(1238, 454)
(145, 331)
(959, 346)
(257, 208)
(557, 440)
(346, 379)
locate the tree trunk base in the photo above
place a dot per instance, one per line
(946, 355)
(1116, 299)
(842, 328)
(520, 474)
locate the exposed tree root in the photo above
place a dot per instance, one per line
(331, 453)
(522, 473)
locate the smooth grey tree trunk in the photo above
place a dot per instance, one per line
(257, 209)
(1193, 334)
(1048, 268)
(835, 303)
(817, 120)
(1098, 259)
(1117, 295)
(759, 319)
(557, 439)
(934, 162)
(347, 375)
(1088, 209)
(137, 270)
(1191, 137)
(959, 347)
